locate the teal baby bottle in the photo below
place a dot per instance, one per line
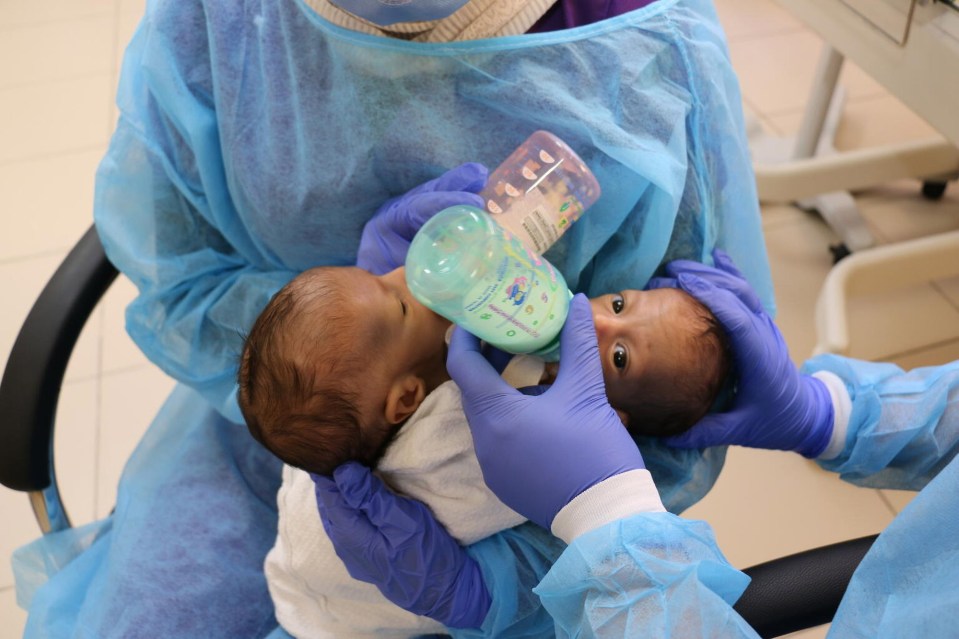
(467, 268)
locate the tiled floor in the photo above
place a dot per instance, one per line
(58, 69)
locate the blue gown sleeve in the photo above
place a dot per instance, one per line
(903, 427)
(164, 213)
(652, 575)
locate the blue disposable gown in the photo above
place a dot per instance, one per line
(255, 140)
(659, 575)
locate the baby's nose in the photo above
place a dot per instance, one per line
(605, 324)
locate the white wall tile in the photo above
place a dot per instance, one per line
(75, 448)
(12, 618)
(130, 14)
(776, 72)
(21, 282)
(56, 51)
(129, 402)
(19, 528)
(767, 504)
(47, 203)
(56, 117)
(15, 13)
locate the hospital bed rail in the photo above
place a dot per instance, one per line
(786, 594)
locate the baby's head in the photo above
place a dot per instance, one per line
(665, 358)
(335, 363)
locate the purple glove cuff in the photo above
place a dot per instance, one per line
(470, 599)
(820, 431)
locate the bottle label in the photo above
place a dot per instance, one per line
(521, 305)
(538, 214)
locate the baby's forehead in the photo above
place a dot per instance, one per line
(674, 301)
(680, 314)
(338, 295)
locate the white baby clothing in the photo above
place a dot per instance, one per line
(431, 459)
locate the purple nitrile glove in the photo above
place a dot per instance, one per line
(387, 236)
(396, 544)
(775, 406)
(538, 452)
(724, 275)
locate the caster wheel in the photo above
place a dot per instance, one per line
(839, 251)
(933, 190)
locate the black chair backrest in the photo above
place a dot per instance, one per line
(34, 372)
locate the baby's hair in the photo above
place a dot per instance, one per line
(665, 414)
(297, 390)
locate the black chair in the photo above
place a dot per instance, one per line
(787, 594)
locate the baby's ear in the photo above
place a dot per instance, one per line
(405, 396)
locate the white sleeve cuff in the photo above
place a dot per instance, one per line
(842, 409)
(618, 497)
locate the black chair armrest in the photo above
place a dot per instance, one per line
(34, 372)
(802, 590)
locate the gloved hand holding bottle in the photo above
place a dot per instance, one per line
(540, 452)
(775, 406)
(387, 236)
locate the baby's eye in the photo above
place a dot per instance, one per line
(403, 304)
(620, 358)
(618, 304)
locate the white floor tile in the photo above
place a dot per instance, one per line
(56, 51)
(57, 117)
(819, 632)
(898, 499)
(886, 324)
(898, 212)
(774, 215)
(767, 504)
(935, 355)
(12, 618)
(776, 72)
(950, 288)
(864, 123)
(129, 402)
(749, 18)
(800, 261)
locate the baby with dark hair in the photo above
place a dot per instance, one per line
(340, 358)
(343, 365)
(336, 363)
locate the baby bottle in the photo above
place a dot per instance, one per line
(540, 190)
(480, 276)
